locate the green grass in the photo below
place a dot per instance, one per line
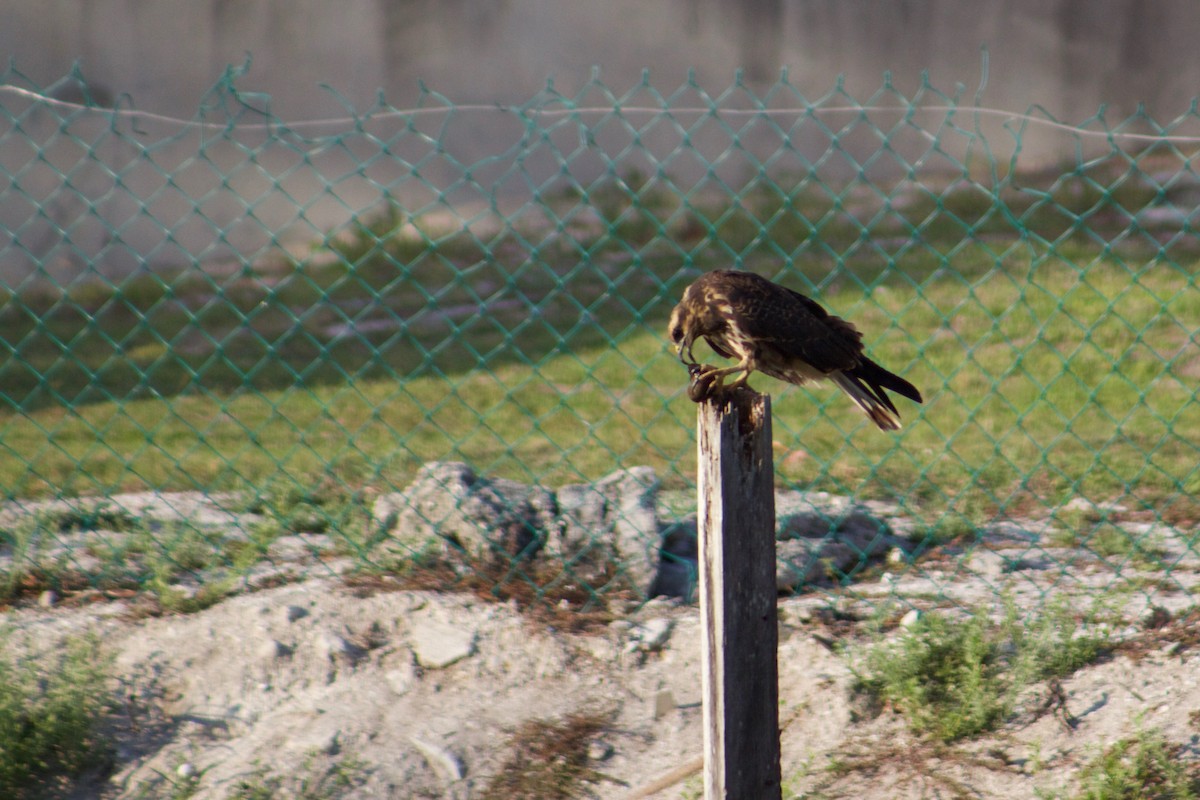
(1140, 767)
(98, 546)
(336, 780)
(953, 678)
(51, 711)
(1042, 384)
(1053, 367)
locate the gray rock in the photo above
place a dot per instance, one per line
(812, 562)
(821, 539)
(1008, 531)
(448, 504)
(633, 497)
(856, 528)
(611, 522)
(612, 526)
(584, 536)
(678, 558)
(828, 541)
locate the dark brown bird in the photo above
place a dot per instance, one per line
(781, 333)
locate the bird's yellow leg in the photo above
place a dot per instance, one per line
(709, 380)
(718, 374)
(741, 381)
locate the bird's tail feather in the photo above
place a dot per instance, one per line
(879, 379)
(871, 399)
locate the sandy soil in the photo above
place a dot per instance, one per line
(319, 686)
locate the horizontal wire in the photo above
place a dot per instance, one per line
(1006, 116)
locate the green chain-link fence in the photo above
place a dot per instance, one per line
(429, 342)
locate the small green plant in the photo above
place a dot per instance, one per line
(1107, 540)
(51, 709)
(85, 516)
(693, 788)
(311, 782)
(946, 677)
(953, 678)
(289, 506)
(39, 561)
(1141, 767)
(949, 528)
(175, 600)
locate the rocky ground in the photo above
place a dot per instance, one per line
(324, 687)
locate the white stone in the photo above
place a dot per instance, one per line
(444, 762)
(439, 644)
(652, 635)
(400, 679)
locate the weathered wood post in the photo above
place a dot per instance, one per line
(736, 497)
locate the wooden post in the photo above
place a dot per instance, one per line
(738, 598)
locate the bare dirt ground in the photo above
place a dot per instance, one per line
(323, 687)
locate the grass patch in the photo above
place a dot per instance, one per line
(328, 506)
(92, 545)
(51, 710)
(1141, 767)
(1027, 408)
(332, 782)
(1098, 531)
(954, 678)
(1055, 366)
(549, 759)
(1114, 544)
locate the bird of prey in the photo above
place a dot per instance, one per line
(781, 333)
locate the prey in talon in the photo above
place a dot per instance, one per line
(781, 333)
(700, 387)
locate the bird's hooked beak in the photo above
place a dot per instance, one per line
(683, 349)
(681, 336)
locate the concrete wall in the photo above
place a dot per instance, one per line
(1068, 56)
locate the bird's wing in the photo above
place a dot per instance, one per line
(797, 326)
(718, 349)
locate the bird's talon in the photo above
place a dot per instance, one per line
(706, 381)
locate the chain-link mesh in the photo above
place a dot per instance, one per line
(428, 342)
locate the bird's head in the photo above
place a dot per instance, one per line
(681, 330)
